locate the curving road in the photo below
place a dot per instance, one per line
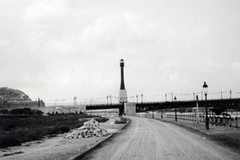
(149, 139)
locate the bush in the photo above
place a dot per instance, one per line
(121, 121)
(59, 130)
(8, 141)
(4, 111)
(64, 129)
(9, 127)
(25, 111)
(101, 119)
(54, 130)
(37, 112)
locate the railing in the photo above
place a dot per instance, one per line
(232, 122)
(213, 120)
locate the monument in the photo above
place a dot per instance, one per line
(122, 92)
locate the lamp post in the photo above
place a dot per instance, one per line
(110, 99)
(175, 109)
(197, 114)
(205, 90)
(137, 98)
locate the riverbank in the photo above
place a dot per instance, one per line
(58, 147)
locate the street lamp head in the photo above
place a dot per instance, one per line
(175, 98)
(205, 88)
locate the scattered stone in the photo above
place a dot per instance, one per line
(89, 129)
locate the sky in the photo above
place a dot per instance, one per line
(58, 49)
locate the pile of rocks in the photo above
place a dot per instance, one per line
(89, 129)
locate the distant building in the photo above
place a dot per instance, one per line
(65, 109)
(21, 104)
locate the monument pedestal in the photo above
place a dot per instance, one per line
(130, 109)
(123, 96)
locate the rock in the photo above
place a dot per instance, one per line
(89, 129)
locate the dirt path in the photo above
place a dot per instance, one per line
(57, 148)
(146, 139)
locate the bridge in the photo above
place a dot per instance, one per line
(216, 105)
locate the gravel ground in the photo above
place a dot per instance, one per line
(146, 139)
(57, 148)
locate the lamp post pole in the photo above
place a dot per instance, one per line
(197, 114)
(175, 109)
(230, 94)
(110, 99)
(205, 89)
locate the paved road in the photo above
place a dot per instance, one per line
(149, 139)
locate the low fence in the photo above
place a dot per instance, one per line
(191, 117)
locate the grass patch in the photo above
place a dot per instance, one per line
(228, 139)
(19, 129)
(9, 141)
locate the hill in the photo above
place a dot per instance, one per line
(9, 94)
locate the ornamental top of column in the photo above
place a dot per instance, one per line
(121, 62)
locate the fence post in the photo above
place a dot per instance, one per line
(236, 122)
(224, 120)
(230, 122)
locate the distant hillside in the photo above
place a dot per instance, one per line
(9, 94)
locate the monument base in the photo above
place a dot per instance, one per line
(123, 96)
(130, 109)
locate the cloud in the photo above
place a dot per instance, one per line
(104, 32)
(41, 11)
(213, 67)
(236, 67)
(132, 20)
(116, 30)
(55, 45)
(4, 42)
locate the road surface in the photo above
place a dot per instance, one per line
(149, 139)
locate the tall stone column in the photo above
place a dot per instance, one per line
(122, 92)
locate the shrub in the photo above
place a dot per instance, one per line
(59, 130)
(121, 121)
(9, 141)
(4, 111)
(25, 111)
(9, 127)
(37, 112)
(101, 119)
(54, 130)
(21, 111)
(64, 129)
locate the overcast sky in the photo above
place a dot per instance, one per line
(58, 49)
